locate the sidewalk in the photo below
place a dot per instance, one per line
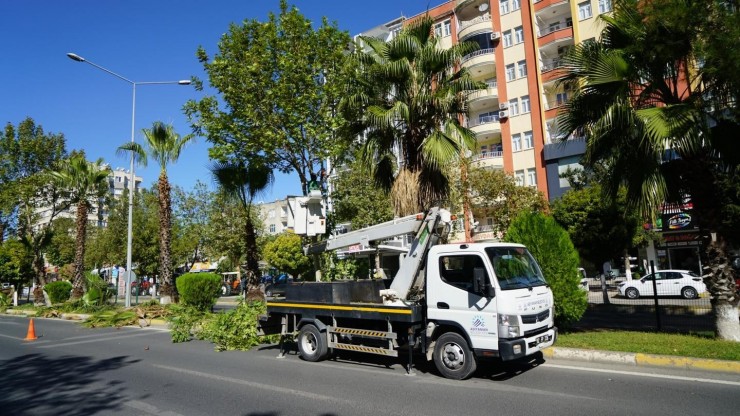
(642, 360)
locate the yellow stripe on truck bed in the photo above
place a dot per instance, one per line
(341, 308)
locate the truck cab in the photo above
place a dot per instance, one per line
(494, 294)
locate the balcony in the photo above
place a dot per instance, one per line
(462, 3)
(491, 159)
(552, 107)
(485, 125)
(555, 36)
(480, 97)
(551, 5)
(483, 60)
(478, 25)
(552, 70)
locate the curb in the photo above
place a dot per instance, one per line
(643, 360)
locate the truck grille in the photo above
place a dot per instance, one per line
(538, 317)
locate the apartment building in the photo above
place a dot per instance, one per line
(275, 216)
(520, 44)
(118, 180)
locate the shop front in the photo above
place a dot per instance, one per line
(681, 243)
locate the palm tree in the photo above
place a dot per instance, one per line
(243, 182)
(660, 122)
(409, 100)
(164, 145)
(87, 183)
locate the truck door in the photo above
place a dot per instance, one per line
(452, 298)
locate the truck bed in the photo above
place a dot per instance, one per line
(356, 310)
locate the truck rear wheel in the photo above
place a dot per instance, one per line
(311, 344)
(453, 357)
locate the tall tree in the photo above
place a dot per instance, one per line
(654, 106)
(25, 150)
(243, 183)
(87, 184)
(190, 209)
(281, 81)
(61, 248)
(497, 196)
(163, 145)
(409, 104)
(357, 199)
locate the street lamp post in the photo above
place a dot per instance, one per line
(132, 180)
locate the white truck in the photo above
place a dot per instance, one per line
(455, 303)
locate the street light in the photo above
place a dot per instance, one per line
(132, 180)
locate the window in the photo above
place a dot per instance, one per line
(531, 177)
(514, 107)
(561, 98)
(458, 271)
(522, 69)
(271, 213)
(528, 140)
(565, 165)
(519, 177)
(516, 5)
(507, 38)
(442, 29)
(525, 104)
(510, 72)
(584, 10)
(504, 7)
(272, 228)
(605, 6)
(516, 142)
(519, 34)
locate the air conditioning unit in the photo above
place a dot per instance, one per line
(495, 35)
(503, 106)
(503, 114)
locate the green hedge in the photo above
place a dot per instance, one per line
(58, 291)
(199, 290)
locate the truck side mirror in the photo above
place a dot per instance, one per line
(480, 286)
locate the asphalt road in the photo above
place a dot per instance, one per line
(71, 370)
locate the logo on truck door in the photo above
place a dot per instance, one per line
(478, 325)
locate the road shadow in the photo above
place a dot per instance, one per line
(69, 385)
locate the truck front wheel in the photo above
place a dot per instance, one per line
(453, 357)
(311, 345)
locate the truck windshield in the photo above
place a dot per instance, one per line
(515, 268)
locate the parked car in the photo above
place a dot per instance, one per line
(684, 283)
(277, 287)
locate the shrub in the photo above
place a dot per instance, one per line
(235, 329)
(552, 248)
(97, 290)
(58, 291)
(199, 290)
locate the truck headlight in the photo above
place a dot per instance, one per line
(508, 326)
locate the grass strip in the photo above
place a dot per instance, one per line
(691, 345)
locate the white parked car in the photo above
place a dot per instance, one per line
(684, 283)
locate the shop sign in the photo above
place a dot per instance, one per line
(680, 221)
(681, 240)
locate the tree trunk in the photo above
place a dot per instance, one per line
(719, 278)
(78, 282)
(252, 257)
(168, 291)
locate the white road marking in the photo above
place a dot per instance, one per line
(270, 388)
(636, 374)
(149, 409)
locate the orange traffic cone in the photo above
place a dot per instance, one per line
(31, 332)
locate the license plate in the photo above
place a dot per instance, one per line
(543, 338)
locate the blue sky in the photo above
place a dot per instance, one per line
(142, 40)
